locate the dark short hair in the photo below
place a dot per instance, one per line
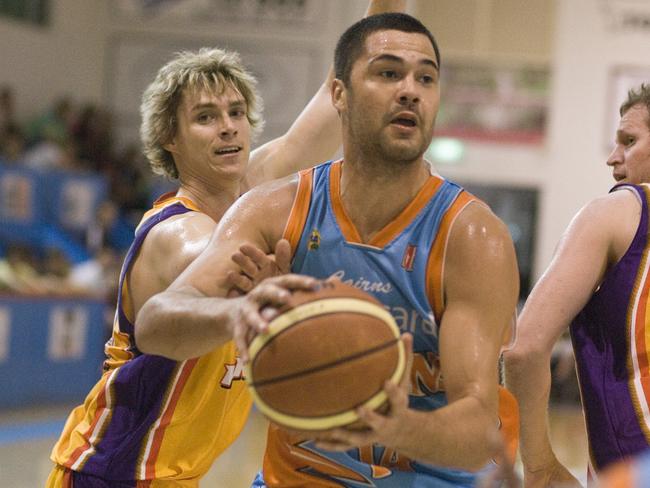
(352, 42)
(640, 96)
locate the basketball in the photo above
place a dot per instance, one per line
(328, 352)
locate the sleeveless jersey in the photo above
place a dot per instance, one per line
(402, 266)
(149, 417)
(611, 340)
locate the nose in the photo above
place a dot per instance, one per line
(228, 128)
(408, 94)
(616, 156)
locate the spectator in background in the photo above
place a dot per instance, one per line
(7, 108)
(108, 229)
(54, 124)
(93, 135)
(12, 144)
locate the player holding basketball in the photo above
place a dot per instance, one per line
(597, 284)
(445, 263)
(152, 420)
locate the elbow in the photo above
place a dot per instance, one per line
(149, 331)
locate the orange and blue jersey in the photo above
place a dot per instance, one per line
(150, 419)
(611, 340)
(403, 267)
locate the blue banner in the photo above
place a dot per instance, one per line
(51, 350)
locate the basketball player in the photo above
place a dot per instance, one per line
(597, 283)
(152, 420)
(439, 259)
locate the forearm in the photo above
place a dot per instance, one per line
(381, 6)
(182, 324)
(528, 377)
(454, 436)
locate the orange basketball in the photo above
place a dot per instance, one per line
(327, 353)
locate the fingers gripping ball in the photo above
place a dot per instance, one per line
(327, 353)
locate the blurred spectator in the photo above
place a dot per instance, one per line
(129, 182)
(12, 145)
(7, 108)
(18, 272)
(53, 125)
(108, 230)
(93, 135)
(98, 276)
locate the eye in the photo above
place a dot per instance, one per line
(629, 141)
(389, 74)
(237, 112)
(427, 79)
(204, 118)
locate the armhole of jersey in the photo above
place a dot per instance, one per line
(299, 210)
(635, 191)
(435, 264)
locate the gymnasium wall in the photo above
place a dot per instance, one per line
(85, 50)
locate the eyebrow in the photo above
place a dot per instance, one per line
(397, 59)
(234, 104)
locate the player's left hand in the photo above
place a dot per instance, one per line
(255, 265)
(386, 429)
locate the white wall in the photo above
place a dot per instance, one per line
(587, 49)
(64, 58)
(569, 169)
(76, 55)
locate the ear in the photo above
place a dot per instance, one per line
(339, 95)
(171, 145)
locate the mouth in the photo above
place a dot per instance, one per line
(224, 151)
(405, 119)
(618, 177)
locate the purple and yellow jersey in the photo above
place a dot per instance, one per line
(402, 266)
(611, 340)
(149, 417)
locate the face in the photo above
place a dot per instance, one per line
(212, 137)
(630, 159)
(390, 104)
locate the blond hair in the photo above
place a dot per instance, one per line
(209, 69)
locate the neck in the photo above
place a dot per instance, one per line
(375, 192)
(212, 200)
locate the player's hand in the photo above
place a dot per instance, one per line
(553, 474)
(386, 429)
(255, 265)
(253, 312)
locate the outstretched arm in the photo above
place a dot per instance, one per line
(596, 237)
(315, 135)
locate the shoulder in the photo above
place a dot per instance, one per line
(266, 198)
(610, 220)
(476, 224)
(177, 241)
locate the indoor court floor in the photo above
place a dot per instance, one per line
(26, 437)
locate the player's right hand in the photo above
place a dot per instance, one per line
(254, 311)
(255, 265)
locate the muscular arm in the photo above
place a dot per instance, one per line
(597, 237)
(315, 135)
(191, 317)
(481, 288)
(481, 285)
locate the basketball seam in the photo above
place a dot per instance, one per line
(325, 366)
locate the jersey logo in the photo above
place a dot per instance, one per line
(234, 371)
(314, 240)
(319, 465)
(409, 257)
